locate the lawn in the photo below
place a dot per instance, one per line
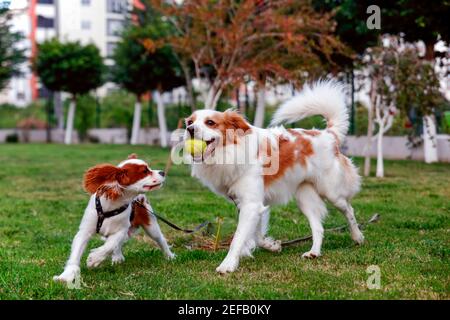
(42, 202)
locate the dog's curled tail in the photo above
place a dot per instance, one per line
(325, 98)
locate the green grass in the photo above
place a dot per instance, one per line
(42, 202)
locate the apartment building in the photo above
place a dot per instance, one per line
(87, 21)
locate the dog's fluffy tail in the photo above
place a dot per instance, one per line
(325, 98)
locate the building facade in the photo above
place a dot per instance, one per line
(88, 21)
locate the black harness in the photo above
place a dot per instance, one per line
(101, 215)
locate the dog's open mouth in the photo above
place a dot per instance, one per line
(210, 146)
(152, 187)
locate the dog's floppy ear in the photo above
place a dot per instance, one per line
(236, 120)
(104, 178)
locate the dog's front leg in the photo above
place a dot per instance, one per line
(244, 239)
(72, 268)
(98, 255)
(262, 240)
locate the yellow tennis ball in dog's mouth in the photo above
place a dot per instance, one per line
(195, 147)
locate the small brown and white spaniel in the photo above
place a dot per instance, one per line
(116, 209)
(258, 167)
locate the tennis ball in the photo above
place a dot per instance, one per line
(195, 147)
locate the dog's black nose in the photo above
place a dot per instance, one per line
(190, 129)
(162, 173)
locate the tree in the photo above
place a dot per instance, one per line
(381, 63)
(11, 56)
(236, 39)
(70, 67)
(141, 66)
(418, 90)
(400, 81)
(416, 21)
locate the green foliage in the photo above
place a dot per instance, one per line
(417, 20)
(10, 56)
(351, 27)
(70, 66)
(10, 115)
(417, 85)
(140, 66)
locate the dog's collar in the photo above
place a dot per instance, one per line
(101, 215)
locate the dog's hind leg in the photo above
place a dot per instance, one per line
(154, 232)
(313, 207)
(262, 241)
(346, 208)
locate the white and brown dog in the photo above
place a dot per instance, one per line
(116, 209)
(257, 167)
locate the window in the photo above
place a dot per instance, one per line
(85, 25)
(45, 1)
(85, 2)
(47, 23)
(116, 6)
(114, 27)
(110, 47)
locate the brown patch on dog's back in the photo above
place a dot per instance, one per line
(140, 215)
(290, 153)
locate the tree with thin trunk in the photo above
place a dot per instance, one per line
(70, 67)
(400, 81)
(141, 67)
(237, 39)
(418, 20)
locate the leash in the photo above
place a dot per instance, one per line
(170, 224)
(373, 219)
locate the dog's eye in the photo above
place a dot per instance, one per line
(189, 122)
(210, 123)
(146, 170)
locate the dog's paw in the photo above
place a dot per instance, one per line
(358, 237)
(170, 256)
(70, 274)
(94, 259)
(227, 266)
(117, 259)
(310, 255)
(270, 244)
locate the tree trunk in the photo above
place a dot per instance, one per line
(58, 110)
(70, 121)
(136, 121)
(429, 51)
(161, 118)
(370, 121)
(380, 163)
(260, 106)
(429, 140)
(189, 87)
(369, 142)
(429, 127)
(213, 96)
